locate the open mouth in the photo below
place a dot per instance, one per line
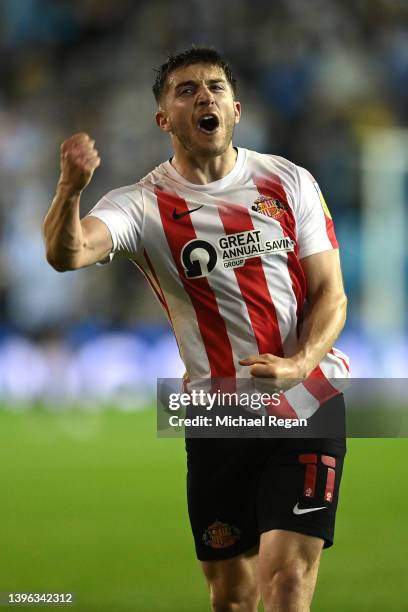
(208, 123)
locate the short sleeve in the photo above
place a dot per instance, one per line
(122, 212)
(315, 229)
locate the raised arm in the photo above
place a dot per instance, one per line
(72, 242)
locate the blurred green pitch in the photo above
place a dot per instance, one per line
(94, 503)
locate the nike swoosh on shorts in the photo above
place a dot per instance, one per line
(297, 510)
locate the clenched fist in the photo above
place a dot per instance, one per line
(79, 159)
(281, 372)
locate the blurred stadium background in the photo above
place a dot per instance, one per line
(94, 503)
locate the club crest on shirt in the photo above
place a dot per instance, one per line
(271, 207)
(221, 535)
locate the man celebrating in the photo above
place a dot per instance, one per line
(234, 244)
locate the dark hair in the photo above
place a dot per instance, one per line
(194, 55)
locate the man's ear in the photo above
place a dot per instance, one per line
(163, 121)
(237, 111)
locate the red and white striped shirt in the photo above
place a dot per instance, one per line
(224, 261)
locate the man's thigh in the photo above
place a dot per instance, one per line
(298, 490)
(279, 548)
(222, 490)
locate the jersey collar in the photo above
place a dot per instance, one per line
(222, 183)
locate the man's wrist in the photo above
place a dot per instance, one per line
(303, 363)
(67, 190)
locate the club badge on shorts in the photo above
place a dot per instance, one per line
(221, 535)
(271, 207)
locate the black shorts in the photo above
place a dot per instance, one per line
(239, 488)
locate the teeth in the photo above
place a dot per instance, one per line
(204, 117)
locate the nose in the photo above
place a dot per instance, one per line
(205, 96)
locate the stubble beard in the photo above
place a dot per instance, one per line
(213, 148)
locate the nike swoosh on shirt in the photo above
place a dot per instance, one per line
(297, 510)
(177, 215)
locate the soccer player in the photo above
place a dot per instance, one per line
(235, 244)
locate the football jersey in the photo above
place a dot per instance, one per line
(223, 259)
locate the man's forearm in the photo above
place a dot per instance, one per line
(322, 325)
(62, 228)
(63, 233)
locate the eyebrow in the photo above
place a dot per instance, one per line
(191, 82)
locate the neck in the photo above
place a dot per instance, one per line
(203, 170)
